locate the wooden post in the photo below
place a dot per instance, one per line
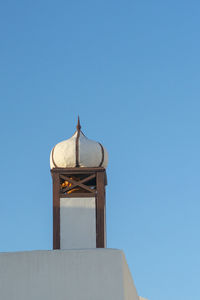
(56, 211)
(100, 210)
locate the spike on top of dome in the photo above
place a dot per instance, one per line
(78, 151)
(78, 126)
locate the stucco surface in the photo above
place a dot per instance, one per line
(77, 223)
(90, 153)
(64, 153)
(66, 274)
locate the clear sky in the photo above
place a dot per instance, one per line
(131, 70)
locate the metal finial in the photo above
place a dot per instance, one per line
(78, 124)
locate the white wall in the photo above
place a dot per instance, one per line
(98, 274)
(129, 286)
(77, 223)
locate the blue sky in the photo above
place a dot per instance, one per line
(131, 70)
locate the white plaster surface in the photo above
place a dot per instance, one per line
(100, 274)
(90, 154)
(77, 223)
(64, 153)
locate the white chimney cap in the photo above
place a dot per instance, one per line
(78, 151)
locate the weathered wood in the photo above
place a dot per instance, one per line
(56, 211)
(77, 170)
(82, 180)
(100, 210)
(76, 183)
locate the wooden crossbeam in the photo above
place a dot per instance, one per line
(82, 180)
(78, 183)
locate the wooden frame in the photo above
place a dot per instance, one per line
(97, 191)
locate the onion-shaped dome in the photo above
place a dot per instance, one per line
(78, 151)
